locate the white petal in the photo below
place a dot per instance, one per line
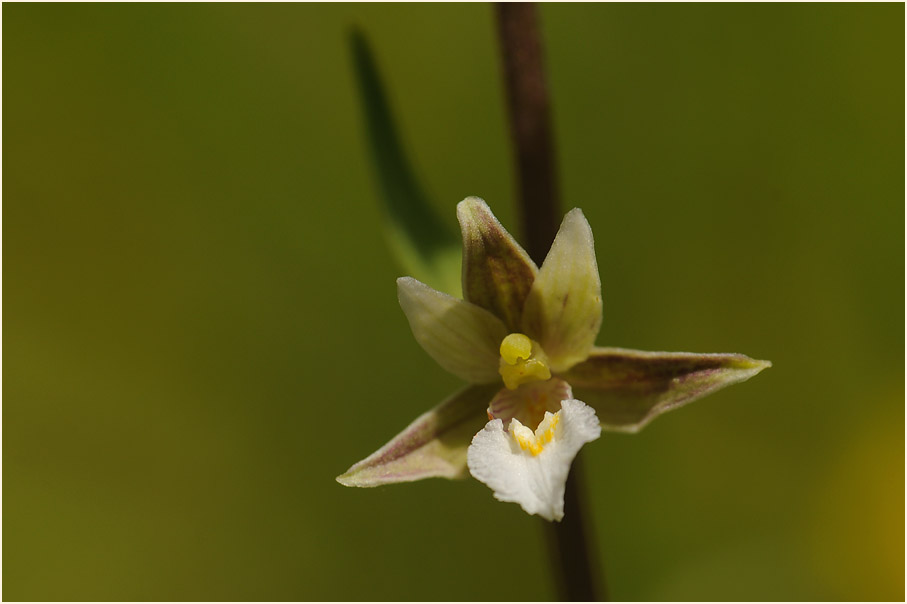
(536, 482)
(463, 338)
(564, 309)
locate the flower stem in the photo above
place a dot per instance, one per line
(579, 580)
(530, 125)
(533, 143)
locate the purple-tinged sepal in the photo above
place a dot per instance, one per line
(497, 272)
(630, 388)
(434, 445)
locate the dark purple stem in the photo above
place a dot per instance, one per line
(530, 125)
(533, 143)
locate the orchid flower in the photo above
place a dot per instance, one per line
(539, 389)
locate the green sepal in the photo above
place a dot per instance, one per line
(434, 445)
(564, 308)
(422, 243)
(463, 338)
(630, 388)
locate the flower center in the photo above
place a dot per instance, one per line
(522, 361)
(535, 442)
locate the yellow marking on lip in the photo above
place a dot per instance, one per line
(535, 442)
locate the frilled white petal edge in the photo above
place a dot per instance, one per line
(531, 468)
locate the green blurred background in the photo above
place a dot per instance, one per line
(201, 325)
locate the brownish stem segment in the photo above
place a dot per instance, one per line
(530, 124)
(533, 142)
(578, 579)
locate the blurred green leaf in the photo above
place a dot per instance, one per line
(422, 243)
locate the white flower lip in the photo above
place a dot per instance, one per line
(532, 468)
